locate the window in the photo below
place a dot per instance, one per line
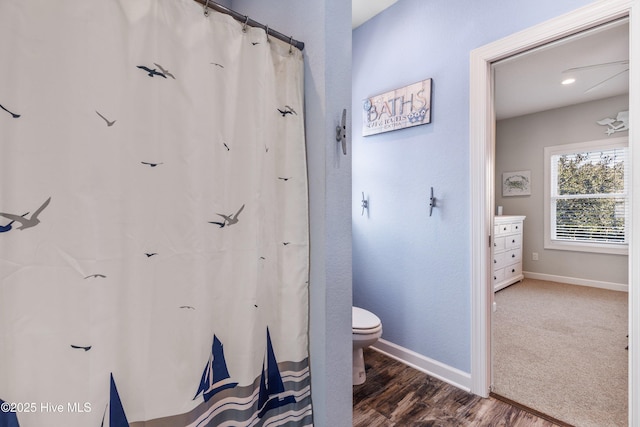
(587, 196)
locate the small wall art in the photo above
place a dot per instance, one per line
(516, 183)
(397, 109)
(618, 124)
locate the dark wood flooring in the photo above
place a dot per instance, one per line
(397, 395)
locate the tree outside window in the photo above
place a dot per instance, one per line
(587, 196)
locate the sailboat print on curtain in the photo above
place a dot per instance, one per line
(215, 376)
(117, 417)
(271, 385)
(8, 418)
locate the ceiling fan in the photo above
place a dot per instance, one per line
(624, 64)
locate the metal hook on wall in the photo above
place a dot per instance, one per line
(341, 132)
(432, 202)
(365, 205)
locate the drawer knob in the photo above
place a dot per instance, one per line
(513, 240)
(495, 261)
(513, 270)
(513, 255)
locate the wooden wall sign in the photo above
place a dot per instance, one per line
(398, 109)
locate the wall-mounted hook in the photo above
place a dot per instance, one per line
(432, 202)
(365, 204)
(341, 132)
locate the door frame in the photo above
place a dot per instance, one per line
(482, 160)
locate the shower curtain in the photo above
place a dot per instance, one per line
(153, 218)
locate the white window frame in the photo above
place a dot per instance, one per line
(580, 147)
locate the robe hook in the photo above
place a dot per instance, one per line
(341, 132)
(432, 202)
(365, 205)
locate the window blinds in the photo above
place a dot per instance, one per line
(589, 196)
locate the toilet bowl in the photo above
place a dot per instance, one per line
(367, 328)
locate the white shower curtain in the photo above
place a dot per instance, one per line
(153, 228)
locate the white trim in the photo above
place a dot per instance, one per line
(481, 140)
(622, 287)
(634, 238)
(446, 373)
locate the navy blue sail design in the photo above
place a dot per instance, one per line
(117, 417)
(215, 376)
(271, 385)
(7, 418)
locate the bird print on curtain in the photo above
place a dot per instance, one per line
(25, 222)
(14, 115)
(160, 302)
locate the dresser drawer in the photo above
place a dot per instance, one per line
(498, 275)
(512, 270)
(499, 243)
(501, 229)
(499, 260)
(513, 241)
(512, 256)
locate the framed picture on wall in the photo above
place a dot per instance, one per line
(516, 183)
(398, 109)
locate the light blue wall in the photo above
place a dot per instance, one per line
(410, 269)
(325, 28)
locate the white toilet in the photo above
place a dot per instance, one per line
(367, 328)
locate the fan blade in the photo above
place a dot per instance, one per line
(605, 80)
(604, 64)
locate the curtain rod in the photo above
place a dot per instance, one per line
(250, 22)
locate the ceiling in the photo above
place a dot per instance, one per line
(531, 82)
(363, 10)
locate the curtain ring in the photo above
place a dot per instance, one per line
(290, 45)
(244, 26)
(206, 8)
(267, 32)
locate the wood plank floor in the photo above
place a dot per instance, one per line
(397, 395)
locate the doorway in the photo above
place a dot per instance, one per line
(545, 320)
(482, 124)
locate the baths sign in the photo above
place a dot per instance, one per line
(398, 109)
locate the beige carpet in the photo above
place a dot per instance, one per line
(560, 349)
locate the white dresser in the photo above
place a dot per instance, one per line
(507, 250)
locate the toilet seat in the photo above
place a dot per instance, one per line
(364, 322)
(370, 331)
(366, 330)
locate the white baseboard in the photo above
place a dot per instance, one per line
(448, 374)
(623, 287)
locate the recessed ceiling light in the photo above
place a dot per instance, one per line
(568, 81)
